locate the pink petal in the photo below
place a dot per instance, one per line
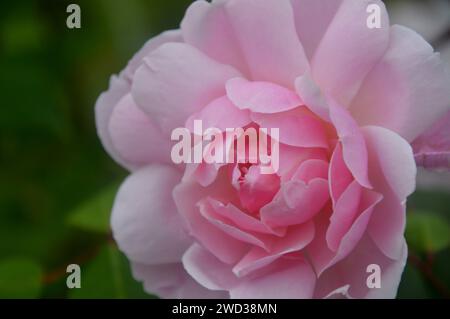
(186, 196)
(408, 89)
(134, 135)
(221, 114)
(312, 96)
(296, 203)
(297, 238)
(177, 80)
(207, 270)
(322, 257)
(118, 88)
(262, 97)
(257, 37)
(341, 45)
(291, 157)
(344, 214)
(393, 171)
(208, 27)
(339, 175)
(222, 224)
(310, 169)
(295, 128)
(392, 156)
(171, 281)
(243, 220)
(432, 148)
(353, 144)
(352, 273)
(150, 46)
(312, 19)
(142, 205)
(287, 279)
(255, 189)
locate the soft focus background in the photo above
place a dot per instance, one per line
(57, 183)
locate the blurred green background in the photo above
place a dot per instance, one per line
(57, 183)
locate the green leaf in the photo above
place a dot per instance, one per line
(427, 232)
(413, 285)
(20, 278)
(93, 215)
(108, 276)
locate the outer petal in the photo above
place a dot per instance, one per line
(172, 281)
(177, 80)
(432, 148)
(393, 172)
(262, 97)
(353, 144)
(220, 113)
(135, 136)
(408, 90)
(286, 279)
(142, 205)
(352, 273)
(118, 88)
(347, 36)
(258, 37)
(312, 20)
(150, 46)
(207, 270)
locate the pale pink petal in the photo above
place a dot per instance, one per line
(135, 136)
(394, 160)
(312, 96)
(291, 157)
(348, 41)
(262, 97)
(296, 238)
(353, 144)
(208, 27)
(344, 214)
(352, 273)
(339, 175)
(150, 46)
(228, 228)
(243, 220)
(432, 148)
(257, 37)
(118, 88)
(393, 172)
(321, 256)
(309, 169)
(295, 128)
(207, 270)
(187, 195)
(177, 80)
(408, 90)
(312, 19)
(221, 114)
(296, 203)
(142, 205)
(171, 281)
(287, 279)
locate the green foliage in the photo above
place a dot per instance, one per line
(20, 278)
(93, 215)
(427, 232)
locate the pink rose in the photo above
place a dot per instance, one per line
(349, 101)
